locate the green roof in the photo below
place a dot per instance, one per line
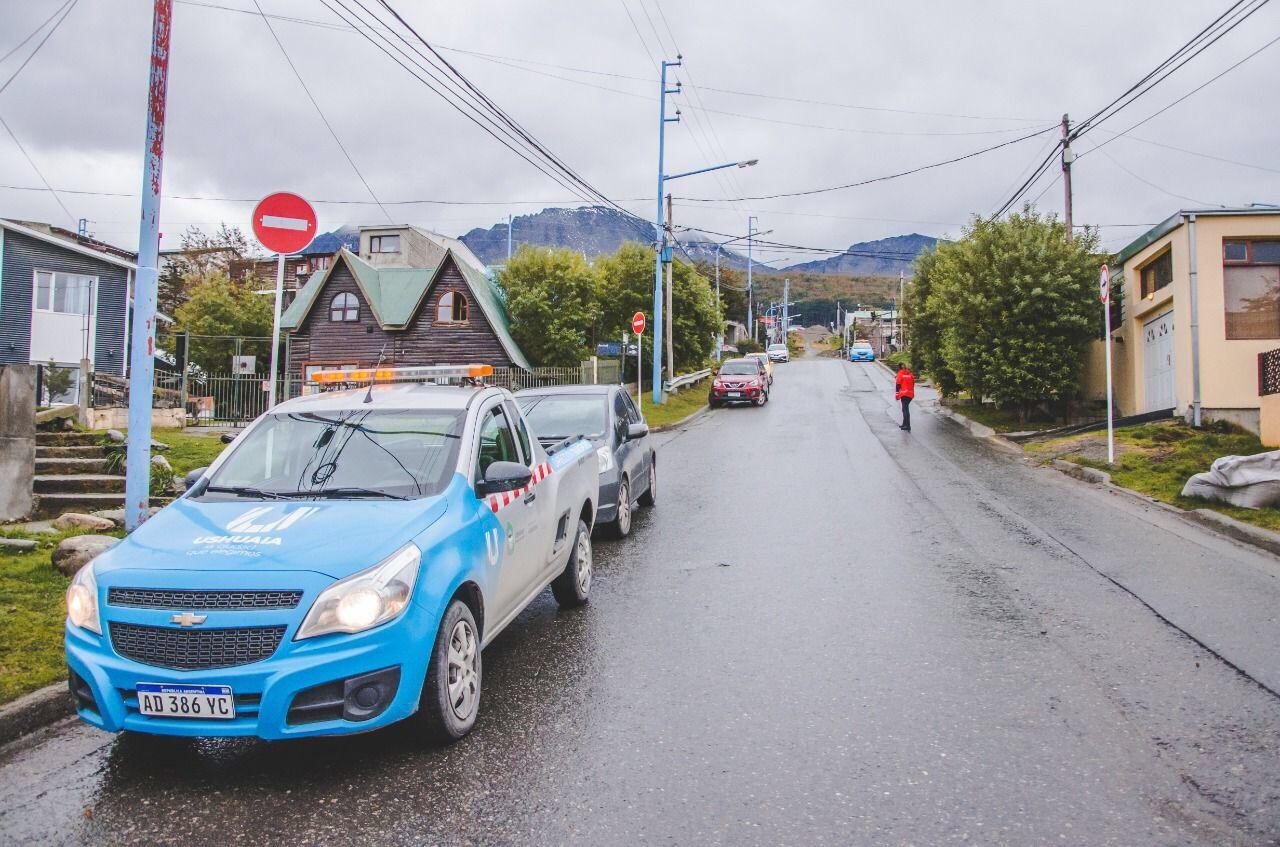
(396, 294)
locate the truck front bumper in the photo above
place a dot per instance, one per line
(305, 688)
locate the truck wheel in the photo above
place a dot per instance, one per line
(621, 525)
(451, 694)
(573, 584)
(650, 496)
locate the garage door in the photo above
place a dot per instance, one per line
(1157, 355)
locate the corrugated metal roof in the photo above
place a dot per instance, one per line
(1176, 220)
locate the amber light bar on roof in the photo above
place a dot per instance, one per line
(388, 374)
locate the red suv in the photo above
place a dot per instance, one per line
(740, 381)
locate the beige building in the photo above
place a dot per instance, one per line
(1201, 301)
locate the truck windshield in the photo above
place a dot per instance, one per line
(356, 454)
(564, 415)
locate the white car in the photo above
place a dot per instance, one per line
(778, 353)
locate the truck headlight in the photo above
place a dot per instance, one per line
(82, 600)
(604, 458)
(366, 599)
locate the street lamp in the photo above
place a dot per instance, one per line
(662, 249)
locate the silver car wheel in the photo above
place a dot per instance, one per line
(584, 563)
(464, 681)
(624, 507)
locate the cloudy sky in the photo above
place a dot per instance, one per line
(821, 92)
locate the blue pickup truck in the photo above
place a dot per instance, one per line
(338, 568)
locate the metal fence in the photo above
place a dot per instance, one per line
(236, 399)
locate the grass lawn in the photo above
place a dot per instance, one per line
(1156, 459)
(1003, 420)
(31, 617)
(188, 448)
(678, 406)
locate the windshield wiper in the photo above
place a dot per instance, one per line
(244, 491)
(350, 491)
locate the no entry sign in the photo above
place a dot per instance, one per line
(637, 323)
(284, 222)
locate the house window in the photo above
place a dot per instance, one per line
(344, 307)
(1157, 274)
(1251, 288)
(320, 263)
(452, 308)
(384, 244)
(67, 294)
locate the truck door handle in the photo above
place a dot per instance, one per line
(530, 497)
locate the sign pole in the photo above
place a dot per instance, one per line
(275, 333)
(639, 378)
(137, 485)
(1104, 284)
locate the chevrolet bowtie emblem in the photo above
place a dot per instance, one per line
(188, 619)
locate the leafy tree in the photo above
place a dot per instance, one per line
(696, 322)
(202, 256)
(551, 302)
(216, 306)
(924, 322)
(1014, 305)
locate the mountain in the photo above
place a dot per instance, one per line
(330, 242)
(883, 257)
(591, 230)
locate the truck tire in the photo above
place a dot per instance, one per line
(451, 693)
(573, 584)
(650, 497)
(620, 527)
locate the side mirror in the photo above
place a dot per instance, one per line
(503, 476)
(193, 478)
(226, 438)
(637, 431)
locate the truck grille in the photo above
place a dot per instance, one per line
(153, 598)
(194, 649)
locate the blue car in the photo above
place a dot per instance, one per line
(337, 569)
(861, 352)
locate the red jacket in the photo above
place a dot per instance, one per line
(906, 385)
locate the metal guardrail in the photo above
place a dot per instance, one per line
(687, 379)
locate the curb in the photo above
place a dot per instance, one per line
(979, 431)
(34, 711)
(1263, 539)
(681, 422)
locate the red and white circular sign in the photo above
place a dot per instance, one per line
(637, 323)
(1104, 284)
(284, 222)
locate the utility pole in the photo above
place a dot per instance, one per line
(786, 311)
(142, 361)
(719, 314)
(671, 315)
(1067, 158)
(663, 120)
(751, 324)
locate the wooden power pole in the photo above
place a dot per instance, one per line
(1067, 158)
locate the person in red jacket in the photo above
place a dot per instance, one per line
(906, 392)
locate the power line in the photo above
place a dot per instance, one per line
(1204, 84)
(320, 111)
(884, 178)
(1148, 182)
(33, 53)
(34, 32)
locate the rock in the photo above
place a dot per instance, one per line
(22, 545)
(157, 447)
(116, 516)
(115, 436)
(75, 552)
(76, 520)
(162, 462)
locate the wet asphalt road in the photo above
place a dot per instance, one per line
(827, 632)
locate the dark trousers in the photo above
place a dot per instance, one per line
(906, 413)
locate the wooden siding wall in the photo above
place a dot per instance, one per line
(423, 342)
(22, 255)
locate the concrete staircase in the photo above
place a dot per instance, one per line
(70, 475)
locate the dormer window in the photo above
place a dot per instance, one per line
(384, 244)
(452, 308)
(344, 307)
